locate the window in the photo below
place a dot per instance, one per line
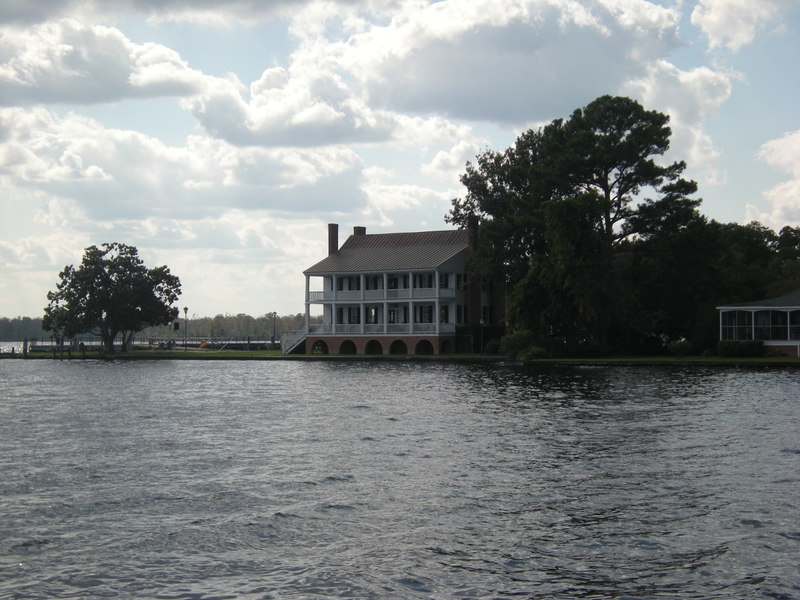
(340, 316)
(444, 314)
(423, 280)
(771, 325)
(444, 280)
(461, 281)
(373, 282)
(339, 284)
(353, 315)
(461, 314)
(354, 283)
(371, 316)
(397, 314)
(794, 325)
(394, 282)
(423, 313)
(737, 325)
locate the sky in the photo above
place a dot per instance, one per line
(220, 137)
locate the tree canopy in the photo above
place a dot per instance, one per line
(602, 246)
(111, 293)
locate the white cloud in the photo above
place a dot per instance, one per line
(505, 61)
(123, 174)
(690, 98)
(449, 164)
(784, 154)
(734, 23)
(297, 108)
(215, 12)
(68, 62)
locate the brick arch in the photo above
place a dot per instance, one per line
(348, 347)
(424, 346)
(373, 347)
(398, 347)
(320, 347)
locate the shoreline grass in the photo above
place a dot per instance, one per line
(212, 354)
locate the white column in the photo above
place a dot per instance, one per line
(788, 324)
(308, 306)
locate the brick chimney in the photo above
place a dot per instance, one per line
(333, 238)
(359, 230)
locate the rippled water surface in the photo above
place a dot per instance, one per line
(391, 480)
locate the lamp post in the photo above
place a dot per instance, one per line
(185, 324)
(274, 318)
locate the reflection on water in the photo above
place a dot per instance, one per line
(396, 480)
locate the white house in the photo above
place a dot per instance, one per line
(393, 293)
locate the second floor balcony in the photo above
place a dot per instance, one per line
(320, 297)
(383, 329)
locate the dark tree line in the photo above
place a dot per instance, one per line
(239, 327)
(20, 328)
(602, 249)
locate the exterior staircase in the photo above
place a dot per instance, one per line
(290, 340)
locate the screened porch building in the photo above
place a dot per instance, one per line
(775, 321)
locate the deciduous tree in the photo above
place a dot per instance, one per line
(552, 212)
(111, 293)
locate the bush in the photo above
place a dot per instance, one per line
(492, 347)
(740, 349)
(521, 345)
(681, 347)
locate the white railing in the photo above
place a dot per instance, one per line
(400, 293)
(347, 295)
(380, 295)
(291, 339)
(377, 329)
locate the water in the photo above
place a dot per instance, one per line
(201, 480)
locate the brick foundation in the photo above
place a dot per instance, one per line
(402, 345)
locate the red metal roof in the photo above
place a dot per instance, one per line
(394, 252)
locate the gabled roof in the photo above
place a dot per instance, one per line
(790, 300)
(393, 252)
